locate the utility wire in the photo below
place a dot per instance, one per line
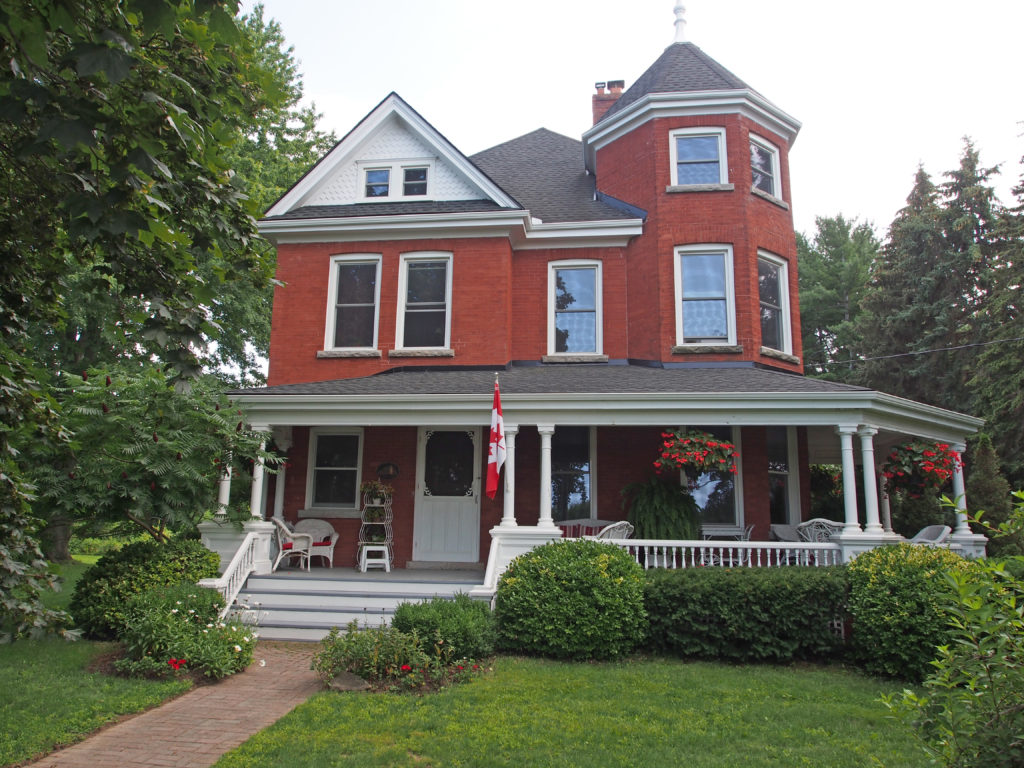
(913, 354)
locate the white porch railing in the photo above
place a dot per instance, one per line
(230, 583)
(664, 553)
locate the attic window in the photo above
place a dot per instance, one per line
(378, 182)
(415, 182)
(393, 180)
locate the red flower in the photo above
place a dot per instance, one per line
(406, 668)
(177, 664)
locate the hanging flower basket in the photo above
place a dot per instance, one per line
(695, 453)
(916, 467)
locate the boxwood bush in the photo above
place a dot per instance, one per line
(746, 614)
(899, 608)
(466, 625)
(102, 594)
(575, 599)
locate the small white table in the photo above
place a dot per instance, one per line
(375, 556)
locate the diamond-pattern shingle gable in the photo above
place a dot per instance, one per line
(683, 67)
(544, 172)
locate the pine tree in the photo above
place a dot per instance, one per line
(989, 492)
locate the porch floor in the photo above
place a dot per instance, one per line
(295, 604)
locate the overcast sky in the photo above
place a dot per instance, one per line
(880, 86)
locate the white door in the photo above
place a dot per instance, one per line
(446, 521)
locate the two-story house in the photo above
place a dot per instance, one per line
(640, 279)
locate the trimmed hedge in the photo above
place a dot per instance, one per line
(102, 594)
(746, 614)
(575, 599)
(466, 625)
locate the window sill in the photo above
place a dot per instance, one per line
(328, 353)
(585, 358)
(779, 355)
(707, 349)
(330, 513)
(770, 198)
(700, 187)
(426, 352)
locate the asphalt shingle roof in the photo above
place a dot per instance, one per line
(544, 171)
(682, 67)
(387, 209)
(554, 379)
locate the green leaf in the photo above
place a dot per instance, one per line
(91, 58)
(67, 133)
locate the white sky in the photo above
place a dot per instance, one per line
(879, 86)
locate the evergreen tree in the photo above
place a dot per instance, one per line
(834, 270)
(989, 492)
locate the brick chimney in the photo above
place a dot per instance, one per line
(602, 99)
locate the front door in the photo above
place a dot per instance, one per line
(446, 522)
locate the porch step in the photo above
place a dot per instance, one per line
(300, 605)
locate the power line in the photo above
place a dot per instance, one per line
(914, 354)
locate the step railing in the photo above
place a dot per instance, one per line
(665, 553)
(242, 565)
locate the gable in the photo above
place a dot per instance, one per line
(394, 137)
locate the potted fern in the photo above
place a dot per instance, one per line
(661, 509)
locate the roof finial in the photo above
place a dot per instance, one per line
(680, 11)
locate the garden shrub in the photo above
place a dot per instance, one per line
(746, 614)
(374, 653)
(103, 592)
(466, 625)
(899, 598)
(178, 627)
(577, 599)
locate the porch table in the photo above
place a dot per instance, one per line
(583, 526)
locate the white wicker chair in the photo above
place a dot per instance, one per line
(619, 530)
(932, 535)
(291, 544)
(324, 538)
(819, 529)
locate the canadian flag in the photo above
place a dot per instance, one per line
(496, 449)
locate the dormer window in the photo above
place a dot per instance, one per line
(698, 157)
(396, 181)
(764, 167)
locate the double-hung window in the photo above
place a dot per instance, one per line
(773, 293)
(424, 301)
(705, 306)
(783, 493)
(571, 473)
(764, 167)
(574, 301)
(352, 302)
(698, 157)
(334, 461)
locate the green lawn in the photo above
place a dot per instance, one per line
(634, 713)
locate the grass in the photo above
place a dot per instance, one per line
(531, 712)
(49, 697)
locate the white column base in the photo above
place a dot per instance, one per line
(972, 545)
(221, 537)
(853, 543)
(507, 543)
(265, 530)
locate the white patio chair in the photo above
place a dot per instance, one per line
(619, 530)
(324, 538)
(784, 532)
(819, 529)
(932, 535)
(291, 544)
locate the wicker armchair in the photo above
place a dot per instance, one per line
(291, 544)
(619, 530)
(324, 538)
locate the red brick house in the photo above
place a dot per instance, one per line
(642, 278)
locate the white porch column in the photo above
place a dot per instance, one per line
(883, 503)
(256, 497)
(283, 441)
(256, 524)
(508, 514)
(959, 495)
(546, 431)
(224, 491)
(852, 525)
(872, 525)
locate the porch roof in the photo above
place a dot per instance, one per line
(607, 395)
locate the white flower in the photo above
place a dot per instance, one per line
(238, 648)
(233, 629)
(190, 610)
(206, 631)
(175, 610)
(209, 626)
(245, 639)
(177, 602)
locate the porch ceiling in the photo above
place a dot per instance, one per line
(607, 395)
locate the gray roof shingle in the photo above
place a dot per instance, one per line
(387, 209)
(682, 67)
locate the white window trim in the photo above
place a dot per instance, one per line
(773, 151)
(396, 180)
(553, 266)
(332, 297)
(787, 326)
(730, 298)
(592, 440)
(314, 433)
(723, 164)
(405, 260)
(725, 529)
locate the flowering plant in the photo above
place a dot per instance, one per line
(918, 466)
(376, 489)
(696, 453)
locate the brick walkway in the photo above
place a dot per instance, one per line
(198, 727)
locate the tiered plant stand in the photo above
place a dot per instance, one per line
(376, 536)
